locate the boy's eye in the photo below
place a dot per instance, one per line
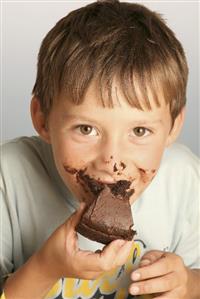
(141, 131)
(87, 130)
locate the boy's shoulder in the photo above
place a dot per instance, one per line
(180, 156)
(179, 172)
(176, 181)
(21, 147)
(23, 152)
(20, 143)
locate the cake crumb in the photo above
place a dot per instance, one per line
(122, 165)
(115, 167)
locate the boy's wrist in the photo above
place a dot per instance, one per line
(46, 265)
(193, 283)
(34, 270)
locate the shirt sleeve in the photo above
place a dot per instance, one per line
(188, 245)
(6, 264)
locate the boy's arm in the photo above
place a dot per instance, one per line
(194, 283)
(29, 281)
(59, 257)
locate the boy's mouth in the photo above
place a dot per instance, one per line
(119, 188)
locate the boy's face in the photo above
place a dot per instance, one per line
(109, 144)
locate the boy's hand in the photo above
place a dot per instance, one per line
(60, 256)
(162, 274)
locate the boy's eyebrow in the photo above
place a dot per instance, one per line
(76, 117)
(147, 122)
(87, 118)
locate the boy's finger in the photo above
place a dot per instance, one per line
(112, 248)
(150, 257)
(71, 234)
(123, 253)
(156, 285)
(102, 260)
(89, 260)
(109, 254)
(160, 267)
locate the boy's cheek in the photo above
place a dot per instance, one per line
(71, 183)
(142, 184)
(66, 154)
(143, 166)
(149, 158)
(68, 178)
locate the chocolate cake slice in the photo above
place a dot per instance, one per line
(109, 216)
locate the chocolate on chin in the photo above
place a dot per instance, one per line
(109, 216)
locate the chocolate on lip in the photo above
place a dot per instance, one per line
(94, 187)
(120, 187)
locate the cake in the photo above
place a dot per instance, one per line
(107, 217)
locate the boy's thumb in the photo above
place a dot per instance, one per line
(112, 249)
(76, 217)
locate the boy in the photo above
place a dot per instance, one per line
(110, 89)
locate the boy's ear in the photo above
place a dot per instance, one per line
(176, 129)
(39, 120)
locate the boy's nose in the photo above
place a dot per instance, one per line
(108, 169)
(112, 162)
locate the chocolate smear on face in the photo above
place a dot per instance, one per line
(147, 175)
(93, 185)
(70, 169)
(122, 165)
(120, 188)
(142, 170)
(90, 185)
(115, 167)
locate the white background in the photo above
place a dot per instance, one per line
(24, 25)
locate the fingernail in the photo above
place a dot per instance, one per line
(135, 290)
(144, 263)
(136, 275)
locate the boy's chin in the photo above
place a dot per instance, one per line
(137, 193)
(133, 198)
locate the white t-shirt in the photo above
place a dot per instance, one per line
(35, 201)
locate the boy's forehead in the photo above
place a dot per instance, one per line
(115, 97)
(92, 108)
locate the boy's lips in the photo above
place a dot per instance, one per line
(107, 182)
(94, 186)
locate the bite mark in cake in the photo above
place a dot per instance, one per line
(108, 215)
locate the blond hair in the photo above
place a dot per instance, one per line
(109, 40)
